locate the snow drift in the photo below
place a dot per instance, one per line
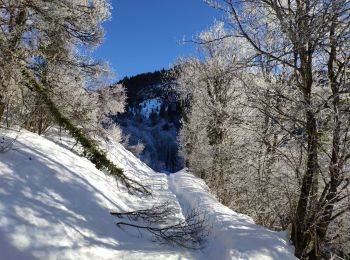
(55, 204)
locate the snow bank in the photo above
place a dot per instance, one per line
(55, 204)
(233, 235)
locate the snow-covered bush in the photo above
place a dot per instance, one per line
(136, 149)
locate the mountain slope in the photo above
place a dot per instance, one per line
(152, 117)
(55, 204)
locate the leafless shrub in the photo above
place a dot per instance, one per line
(6, 142)
(136, 149)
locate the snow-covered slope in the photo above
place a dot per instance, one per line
(55, 204)
(150, 105)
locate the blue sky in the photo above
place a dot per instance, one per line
(144, 35)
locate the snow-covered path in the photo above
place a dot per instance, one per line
(233, 235)
(55, 204)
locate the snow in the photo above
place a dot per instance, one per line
(233, 235)
(55, 204)
(150, 105)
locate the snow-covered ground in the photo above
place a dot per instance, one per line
(150, 105)
(55, 204)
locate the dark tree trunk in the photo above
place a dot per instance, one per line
(301, 235)
(2, 108)
(300, 232)
(328, 201)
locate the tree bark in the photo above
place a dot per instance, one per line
(2, 107)
(301, 225)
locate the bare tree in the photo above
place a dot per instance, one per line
(308, 41)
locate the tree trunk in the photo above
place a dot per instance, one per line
(335, 165)
(301, 233)
(90, 150)
(2, 109)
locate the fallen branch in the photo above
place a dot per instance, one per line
(189, 232)
(6, 143)
(158, 214)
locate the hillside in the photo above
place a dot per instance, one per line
(153, 118)
(55, 204)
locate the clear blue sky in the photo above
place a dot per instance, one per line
(144, 35)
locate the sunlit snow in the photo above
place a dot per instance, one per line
(55, 204)
(150, 105)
